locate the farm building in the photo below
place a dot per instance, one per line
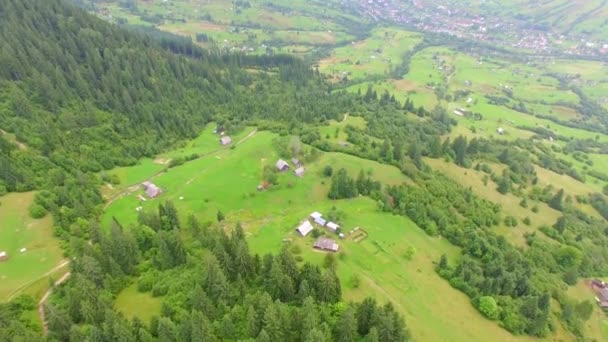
(601, 293)
(3, 256)
(296, 162)
(151, 189)
(315, 215)
(304, 228)
(500, 131)
(326, 244)
(602, 298)
(225, 140)
(332, 226)
(299, 171)
(282, 165)
(320, 221)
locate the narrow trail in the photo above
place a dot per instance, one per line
(53, 270)
(134, 187)
(42, 303)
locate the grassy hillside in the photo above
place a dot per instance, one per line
(394, 263)
(22, 271)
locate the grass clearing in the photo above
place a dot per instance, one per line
(17, 231)
(133, 303)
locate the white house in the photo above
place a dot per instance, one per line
(304, 228)
(332, 226)
(316, 215)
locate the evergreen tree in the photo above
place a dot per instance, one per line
(346, 328)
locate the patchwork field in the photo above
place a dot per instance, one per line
(27, 271)
(376, 55)
(250, 27)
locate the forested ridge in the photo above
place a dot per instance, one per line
(82, 96)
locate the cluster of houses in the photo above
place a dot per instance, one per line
(322, 243)
(283, 166)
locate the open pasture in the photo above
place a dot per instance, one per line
(17, 231)
(395, 262)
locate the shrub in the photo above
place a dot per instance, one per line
(295, 249)
(37, 211)
(160, 289)
(144, 284)
(487, 306)
(328, 171)
(510, 221)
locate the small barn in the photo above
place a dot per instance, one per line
(299, 171)
(304, 228)
(602, 298)
(326, 244)
(3, 256)
(320, 221)
(500, 131)
(282, 165)
(333, 227)
(225, 140)
(315, 215)
(151, 189)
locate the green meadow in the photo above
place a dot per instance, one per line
(133, 303)
(395, 262)
(376, 55)
(23, 270)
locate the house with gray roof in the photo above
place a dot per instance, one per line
(225, 140)
(282, 165)
(320, 221)
(299, 171)
(326, 244)
(151, 189)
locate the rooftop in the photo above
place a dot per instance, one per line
(326, 244)
(304, 228)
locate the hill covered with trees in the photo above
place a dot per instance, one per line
(82, 96)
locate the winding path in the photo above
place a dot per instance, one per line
(45, 298)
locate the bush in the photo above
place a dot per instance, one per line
(527, 221)
(487, 306)
(535, 209)
(328, 171)
(299, 258)
(295, 249)
(145, 283)
(37, 211)
(510, 221)
(160, 289)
